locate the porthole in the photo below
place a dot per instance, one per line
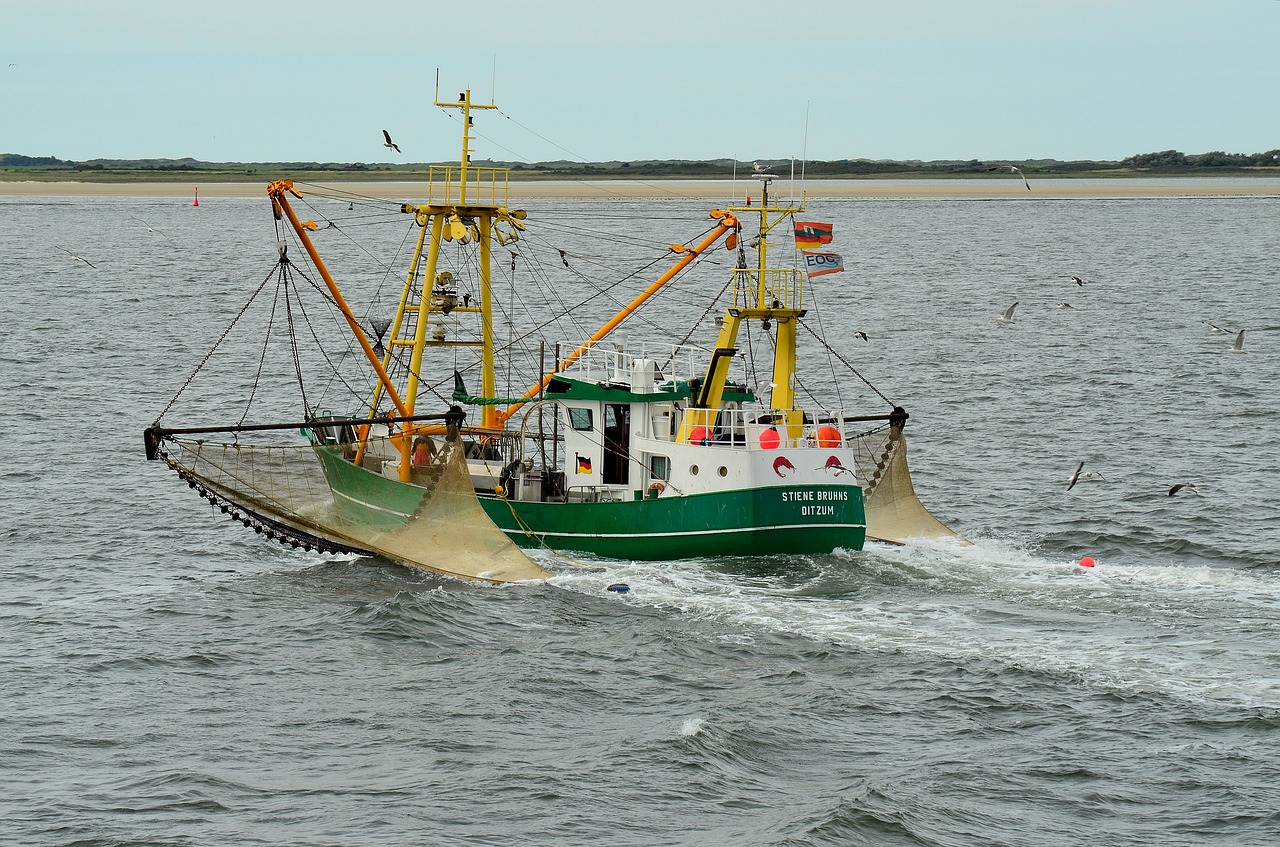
(693, 470)
(723, 471)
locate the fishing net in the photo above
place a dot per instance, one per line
(894, 512)
(282, 492)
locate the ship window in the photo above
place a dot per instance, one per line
(580, 419)
(722, 470)
(693, 470)
(660, 468)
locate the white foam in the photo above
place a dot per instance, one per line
(1182, 631)
(691, 727)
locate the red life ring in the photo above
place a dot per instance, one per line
(656, 488)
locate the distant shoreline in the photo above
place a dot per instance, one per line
(957, 188)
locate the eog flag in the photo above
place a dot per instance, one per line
(817, 264)
(813, 234)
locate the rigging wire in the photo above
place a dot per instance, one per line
(216, 345)
(845, 362)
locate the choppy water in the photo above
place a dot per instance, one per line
(171, 680)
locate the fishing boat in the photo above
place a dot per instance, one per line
(661, 450)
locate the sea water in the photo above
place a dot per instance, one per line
(170, 678)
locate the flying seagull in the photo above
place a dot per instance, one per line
(1065, 305)
(1077, 280)
(77, 258)
(1238, 347)
(149, 227)
(861, 336)
(389, 144)
(1081, 475)
(1016, 170)
(1007, 317)
(1183, 486)
(1213, 327)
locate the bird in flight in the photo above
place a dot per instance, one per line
(1081, 475)
(861, 336)
(1007, 317)
(149, 227)
(1077, 280)
(1065, 305)
(1213, 327)
(1016, 170)
(1183, 486)
(389, 144)
(77, 258)
(1238, 347)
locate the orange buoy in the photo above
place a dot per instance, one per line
(197, 201)
(828, 436)
(1087, 562)
(770, 439)
(698, 435)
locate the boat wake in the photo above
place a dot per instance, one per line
(1156, 630)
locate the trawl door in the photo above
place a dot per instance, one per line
(617, 440)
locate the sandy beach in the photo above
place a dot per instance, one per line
(975, 189)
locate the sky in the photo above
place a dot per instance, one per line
(593, 80)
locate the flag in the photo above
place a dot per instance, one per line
(817, 264)
(812, 234)
(584, 464)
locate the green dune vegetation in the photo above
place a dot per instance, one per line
(20, 168)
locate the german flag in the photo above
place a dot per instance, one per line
(813, 234)
(584, 464)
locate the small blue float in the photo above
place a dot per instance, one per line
(619, 588)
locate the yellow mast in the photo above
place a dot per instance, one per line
(771, 296)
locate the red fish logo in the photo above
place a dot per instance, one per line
(782, 463)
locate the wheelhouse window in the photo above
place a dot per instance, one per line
(660, 468)
(581, 419)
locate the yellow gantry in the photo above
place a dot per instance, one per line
(464, 206)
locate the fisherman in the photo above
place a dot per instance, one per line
(422, 451)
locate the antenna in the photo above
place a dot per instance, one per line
(437, 84)
(804, 151)
(493, 81)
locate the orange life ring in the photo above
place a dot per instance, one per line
(656, 488)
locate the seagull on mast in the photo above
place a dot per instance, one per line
(389, 144)
(77, 258)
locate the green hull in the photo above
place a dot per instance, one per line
(730, 523)
(784, 519)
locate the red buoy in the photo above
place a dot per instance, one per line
(1087, 562)
(197, 201)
